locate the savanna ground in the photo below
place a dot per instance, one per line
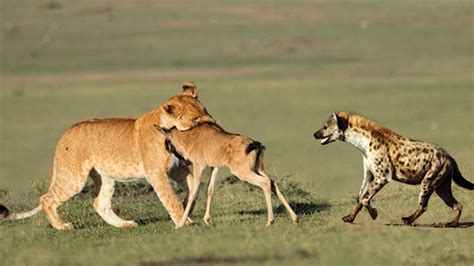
(271, 70)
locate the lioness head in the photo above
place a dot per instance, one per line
(333, 129)
(184, 111)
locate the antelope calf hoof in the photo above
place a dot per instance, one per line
(269, 223)
(296, 221)
(208, 221)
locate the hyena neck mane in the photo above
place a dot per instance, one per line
(361, 131)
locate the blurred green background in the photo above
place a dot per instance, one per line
(272, 70)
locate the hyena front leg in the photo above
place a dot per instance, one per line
(375, 187)
(368, 178)
(366, 183)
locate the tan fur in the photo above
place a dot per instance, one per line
(390, 156)
(208, 145)
(111, 150)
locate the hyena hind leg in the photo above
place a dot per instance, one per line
(445, 193)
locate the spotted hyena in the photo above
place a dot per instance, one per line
(390, 156)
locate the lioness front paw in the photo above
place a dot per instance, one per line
(269, 223)
(66, 227)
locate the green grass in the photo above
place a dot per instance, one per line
(271, 70)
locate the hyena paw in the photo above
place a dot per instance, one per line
(373, 213)
(348, 219)
(407, 220)
(452, 224)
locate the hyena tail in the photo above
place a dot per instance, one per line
(258, 148)
(5, 213)
(459, 179)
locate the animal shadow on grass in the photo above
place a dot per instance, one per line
(211, 260)
(234, 260)
(300, 208)
(435, 225)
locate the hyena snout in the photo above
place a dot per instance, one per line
(318, 134)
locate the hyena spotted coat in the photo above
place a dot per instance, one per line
(390, 156)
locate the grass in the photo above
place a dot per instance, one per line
(271, 70)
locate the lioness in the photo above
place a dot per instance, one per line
(111, 150)
(208, 145)
(390, 156)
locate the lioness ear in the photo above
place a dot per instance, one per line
(342, 123)
(169, 108)
(190, 89)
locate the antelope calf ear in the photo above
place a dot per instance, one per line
(162, 130)
(190, 89)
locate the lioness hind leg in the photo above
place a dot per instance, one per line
(63, 187)
(445, 193)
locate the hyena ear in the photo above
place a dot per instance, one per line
(342, 123)
(190, 89)
(162, 130)
(169, 108)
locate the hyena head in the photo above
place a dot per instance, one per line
(184, 111)
(333, 129)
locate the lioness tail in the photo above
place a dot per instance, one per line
(5, 213)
